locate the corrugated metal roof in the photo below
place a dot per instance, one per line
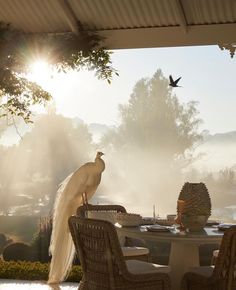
(33, 15)
(125, 14)
(210, 11)
(118, 14)
(115, 15)
(47, 15)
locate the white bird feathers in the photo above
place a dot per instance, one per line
(77, 187)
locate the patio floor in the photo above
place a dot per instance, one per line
(34, 285)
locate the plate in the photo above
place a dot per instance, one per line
(224, 227)
(157, 228)
(164, 222)
(211, 223)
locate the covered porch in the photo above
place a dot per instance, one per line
(124, 25)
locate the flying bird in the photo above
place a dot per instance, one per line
(74, 191)
(174, 83)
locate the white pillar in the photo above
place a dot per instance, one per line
(182, 256)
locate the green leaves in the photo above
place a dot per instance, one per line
(33, 271)
(18, 94)
(154, 119)
(61, 50)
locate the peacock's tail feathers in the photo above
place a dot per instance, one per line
(61, 245)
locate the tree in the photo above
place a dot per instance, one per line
(154, 118)
(222, 186)
(34, 168)
(7, 195)
(62, 51)
(155, 133)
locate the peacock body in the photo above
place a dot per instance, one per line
(70, 195)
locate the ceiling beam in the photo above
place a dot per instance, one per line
(169, 36)
(69, 16)
(181, 15)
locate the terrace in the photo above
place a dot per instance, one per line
(125, 25)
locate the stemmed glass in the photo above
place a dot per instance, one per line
(155, 216)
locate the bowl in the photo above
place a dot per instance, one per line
(194, 223)
(171, 217)
(129, 219)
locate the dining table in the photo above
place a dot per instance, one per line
(184, 252)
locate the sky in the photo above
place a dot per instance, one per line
(208, 77)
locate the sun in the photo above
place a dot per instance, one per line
(40, 71)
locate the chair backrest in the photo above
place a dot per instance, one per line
(225, 267)
(104, 212)
(97, 245)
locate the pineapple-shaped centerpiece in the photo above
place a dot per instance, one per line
(197, 208)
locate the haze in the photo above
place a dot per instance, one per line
(146, 164)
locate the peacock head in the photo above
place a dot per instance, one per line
(99, 154)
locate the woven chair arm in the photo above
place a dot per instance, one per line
(197, 279)
(81, 211)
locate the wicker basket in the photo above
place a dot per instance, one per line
(129, 219)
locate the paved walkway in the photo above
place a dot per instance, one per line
(34, 285)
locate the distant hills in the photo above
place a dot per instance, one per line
(98, 130)
(219, 151)
(219, 138)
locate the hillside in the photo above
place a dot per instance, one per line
(218, 151)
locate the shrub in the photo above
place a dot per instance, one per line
(4, 241)
(33, 271)
(18, 251)
(41, 241)
(75, 274)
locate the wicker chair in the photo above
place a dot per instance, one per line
(215, 255)
(84, 209)
(103, 264)
(222, 276)
(131, 252)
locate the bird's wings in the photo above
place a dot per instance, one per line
(176, 81)
(85, 179)
(171, 79)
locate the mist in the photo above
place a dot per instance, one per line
(216, 155)
(140, 180)
(156, 147)
(32, 170)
